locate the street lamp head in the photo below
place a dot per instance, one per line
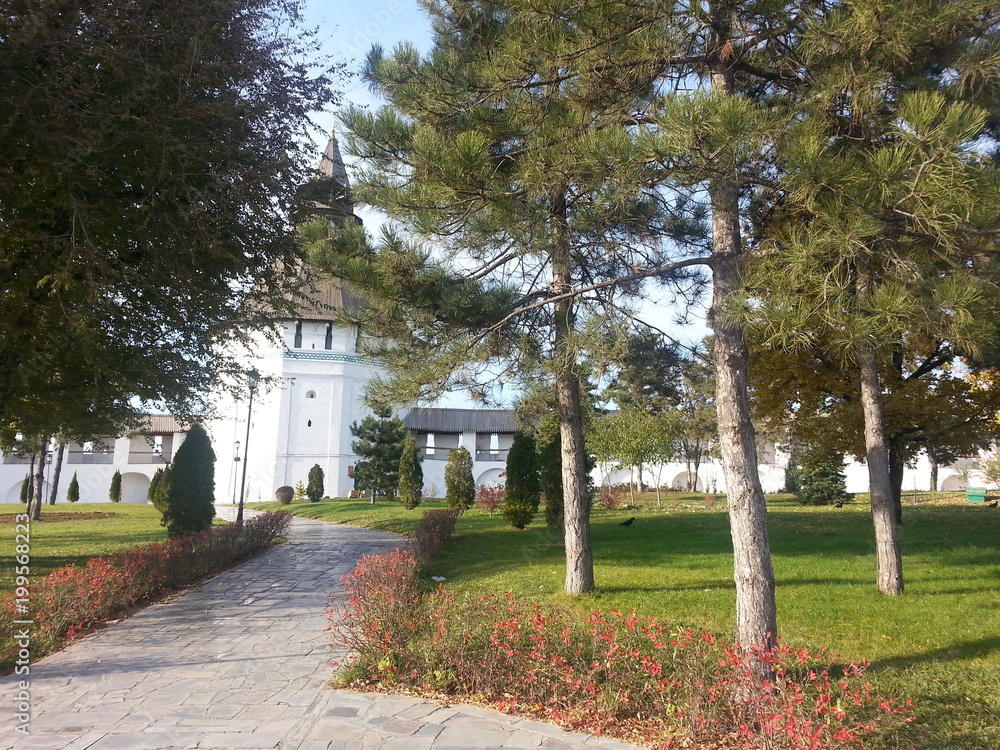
(253, 377)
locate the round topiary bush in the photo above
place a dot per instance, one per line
(284, 494)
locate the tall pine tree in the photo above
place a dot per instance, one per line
(503, 148)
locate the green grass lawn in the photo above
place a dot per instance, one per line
(938, 645)
(58, 543)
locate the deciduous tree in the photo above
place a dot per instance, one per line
(152, 153)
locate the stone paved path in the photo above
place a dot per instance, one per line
(243, 662)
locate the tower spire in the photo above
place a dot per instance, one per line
(331, 165)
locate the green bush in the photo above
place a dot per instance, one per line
(314, 488)
(460, 485)
(73, 491)
(190, 493)
(115, 492)
(821, 481)
(157, 491)
(523, 490)
(411, 475)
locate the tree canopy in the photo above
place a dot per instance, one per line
(152, 153)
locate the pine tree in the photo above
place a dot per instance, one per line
(315, 489)
(459, 483)
(820, 479)
(190, 488)
(538, 193)
(523, 489)
(25, 489)
(115, 492)
(887, 235)
(411, 475)
(73, 491)
(379, 444)
(300, 492)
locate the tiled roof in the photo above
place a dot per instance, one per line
(461, 420)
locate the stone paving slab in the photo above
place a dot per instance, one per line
(243, 662)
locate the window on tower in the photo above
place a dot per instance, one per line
(328, 341)
(297, 344)
(310, 394)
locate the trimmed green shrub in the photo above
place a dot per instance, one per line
(73, 491)
(460, 485)
(190, 493)
(115, 493)
(411, 475)
(549, 448)
(314, 488)
(26, 489)
(523, 489)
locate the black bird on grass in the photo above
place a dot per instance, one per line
(992, 505)
(629, 522)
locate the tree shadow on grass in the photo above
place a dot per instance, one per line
(958, 651)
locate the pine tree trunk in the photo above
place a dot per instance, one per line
(53, 493)
(576, 500)
(889, 560)
(756, 611)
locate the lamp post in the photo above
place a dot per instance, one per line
(232, 474)
(252, 379)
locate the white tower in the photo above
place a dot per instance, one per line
(319, 377)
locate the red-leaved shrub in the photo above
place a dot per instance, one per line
(434, 529)
(489, 498)
(610, 499)
(610, 673)
(72, 598)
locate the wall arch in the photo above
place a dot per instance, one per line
(13, 495)
(491, 478)
(135, 488)
(683, 480)
(954, 483)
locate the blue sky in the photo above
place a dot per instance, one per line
(349, 29)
